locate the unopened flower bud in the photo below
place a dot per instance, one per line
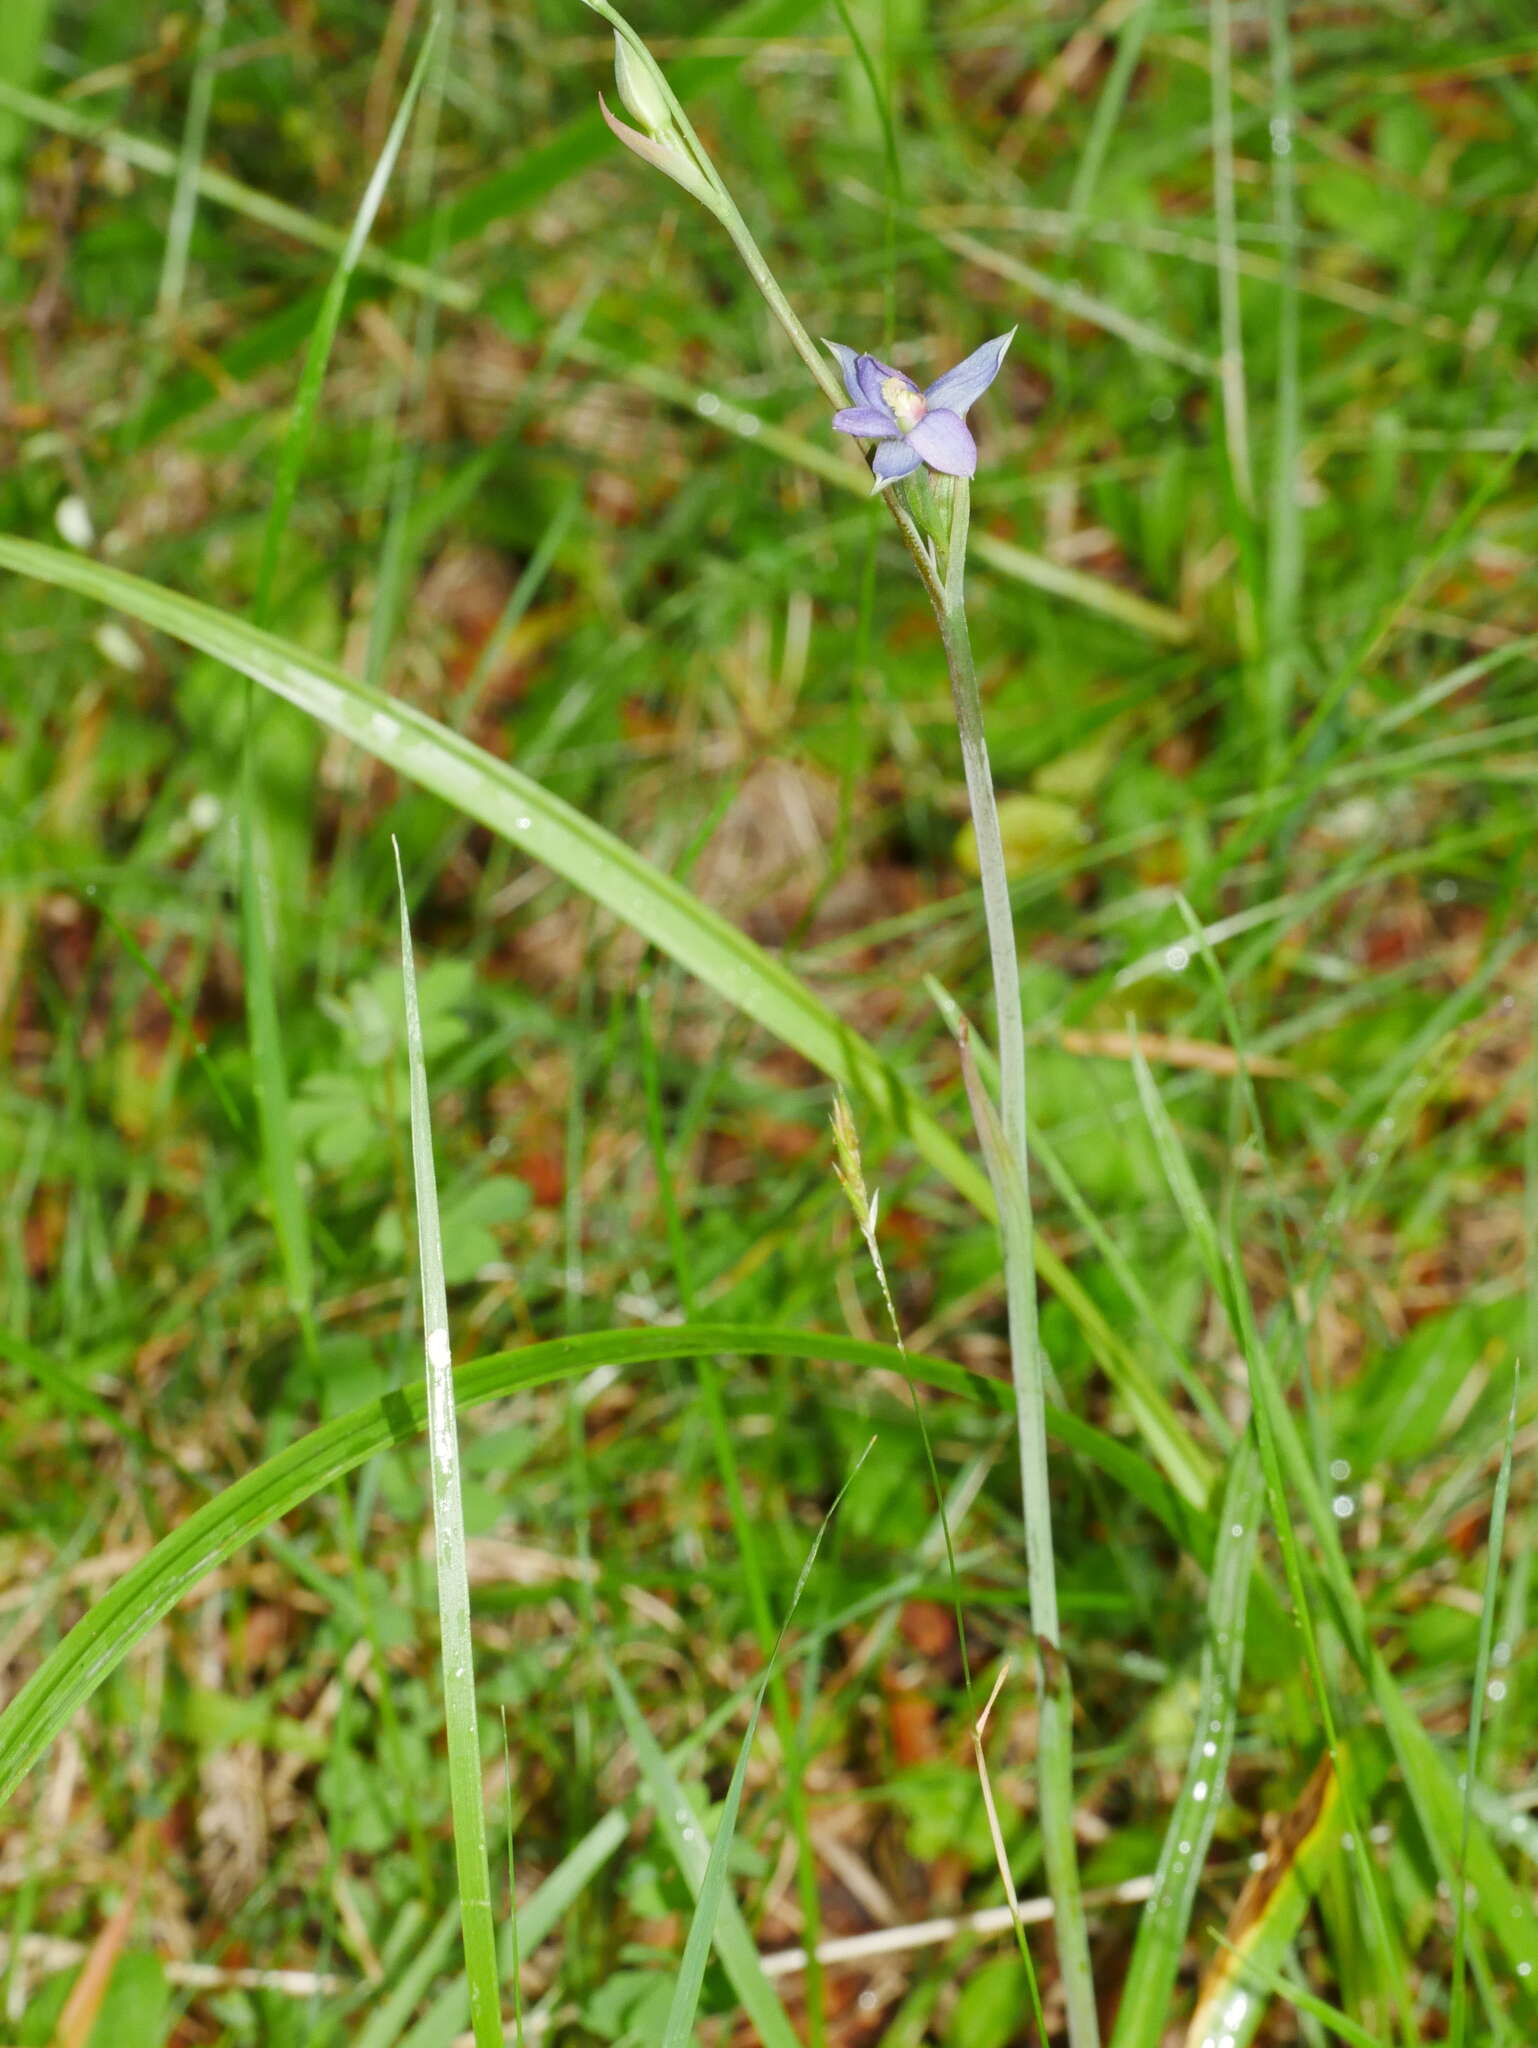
(640, 94)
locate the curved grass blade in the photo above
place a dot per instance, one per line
(456, 1654)
(1457, 2031)
(1268, 1914)
(610, 872)
(1272, 1422)
(1301, 1999)
(519, 809)
(1161, 1935)
(1460, 1844)
(125, 1615)
(528, 815)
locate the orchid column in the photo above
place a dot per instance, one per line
(922, 459)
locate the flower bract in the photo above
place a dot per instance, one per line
(911, 426)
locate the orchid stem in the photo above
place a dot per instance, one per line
(1011, 1186)
(670, 144)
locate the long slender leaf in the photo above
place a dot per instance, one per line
(1458, 2025)
(526, 814)
(259, 908)
(151, 1588)
(711, 1893)
(613, 874)
(681, 1830)
(457, 1653)
(1268, 1914)
(301, 424)
(1144, 2011)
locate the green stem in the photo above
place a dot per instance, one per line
(1011, 1177)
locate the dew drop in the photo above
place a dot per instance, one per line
(707, 405)
(116, 644)
(1199, 1790)
(1177, 959)
(72, 516)
(1340, 1468)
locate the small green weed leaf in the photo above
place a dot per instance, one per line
(1036, 830)
(994, 2006)
(471, 1220)
(629, 2008)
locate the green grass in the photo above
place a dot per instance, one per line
(487, 472)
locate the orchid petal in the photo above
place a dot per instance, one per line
(894, 459)
(847, 358)
(870, 422)
(944, 441)
(871, 375)
(960, 389)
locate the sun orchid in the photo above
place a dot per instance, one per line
(913, 426)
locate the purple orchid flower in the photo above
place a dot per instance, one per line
(916, 426)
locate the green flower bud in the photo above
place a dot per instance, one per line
(640, 94)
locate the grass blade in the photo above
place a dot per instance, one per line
(184, 198)
(457, 1650)
(1458, 2016)
(744, 1528)
(678, 1821)
(526, 814)
(712, 1889)
(150, 1589)
(1268, 1914)
(301, 425)
(1161, 1936)
(1273, 1422)
(259, 905)
(604, 867)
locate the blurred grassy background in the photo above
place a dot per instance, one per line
(1288, 414)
